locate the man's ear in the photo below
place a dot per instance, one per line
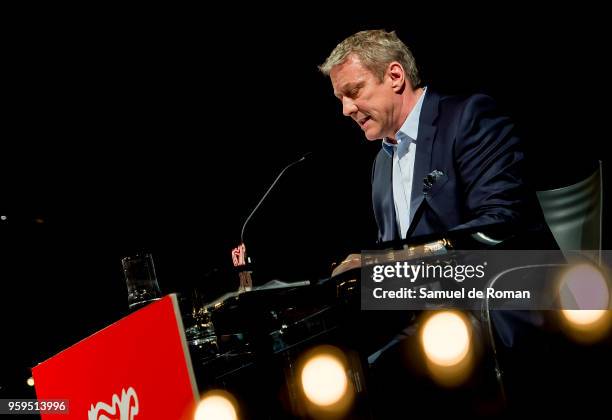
(395, 72)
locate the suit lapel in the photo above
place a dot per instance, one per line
(382, 196)
(424, 145)
(388, 206)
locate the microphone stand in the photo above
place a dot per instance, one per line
(239, 253)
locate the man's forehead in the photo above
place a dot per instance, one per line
(351, 63)
(347, 74)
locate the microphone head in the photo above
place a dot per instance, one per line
(305, 156)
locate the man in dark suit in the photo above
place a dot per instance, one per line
(447, 163)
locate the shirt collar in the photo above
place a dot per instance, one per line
(409, 130)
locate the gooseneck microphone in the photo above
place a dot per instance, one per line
(268, 192)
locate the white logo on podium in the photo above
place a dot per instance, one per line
(126, 407)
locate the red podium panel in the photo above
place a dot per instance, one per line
(137, 368)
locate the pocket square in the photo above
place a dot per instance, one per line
(430, 179)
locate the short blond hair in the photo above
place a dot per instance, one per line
(375, 49)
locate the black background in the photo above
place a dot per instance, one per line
(159, 130)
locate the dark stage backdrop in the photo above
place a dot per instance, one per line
(160, 131)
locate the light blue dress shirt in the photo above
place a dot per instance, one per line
(403, 165)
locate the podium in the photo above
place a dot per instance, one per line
(142, 366)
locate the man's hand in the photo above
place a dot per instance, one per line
(349, 263)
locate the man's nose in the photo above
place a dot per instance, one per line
(348, 107)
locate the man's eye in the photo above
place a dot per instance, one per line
(353, 92)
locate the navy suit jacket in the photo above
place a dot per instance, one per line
(482, 165)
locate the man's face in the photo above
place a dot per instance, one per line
(365, 99)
